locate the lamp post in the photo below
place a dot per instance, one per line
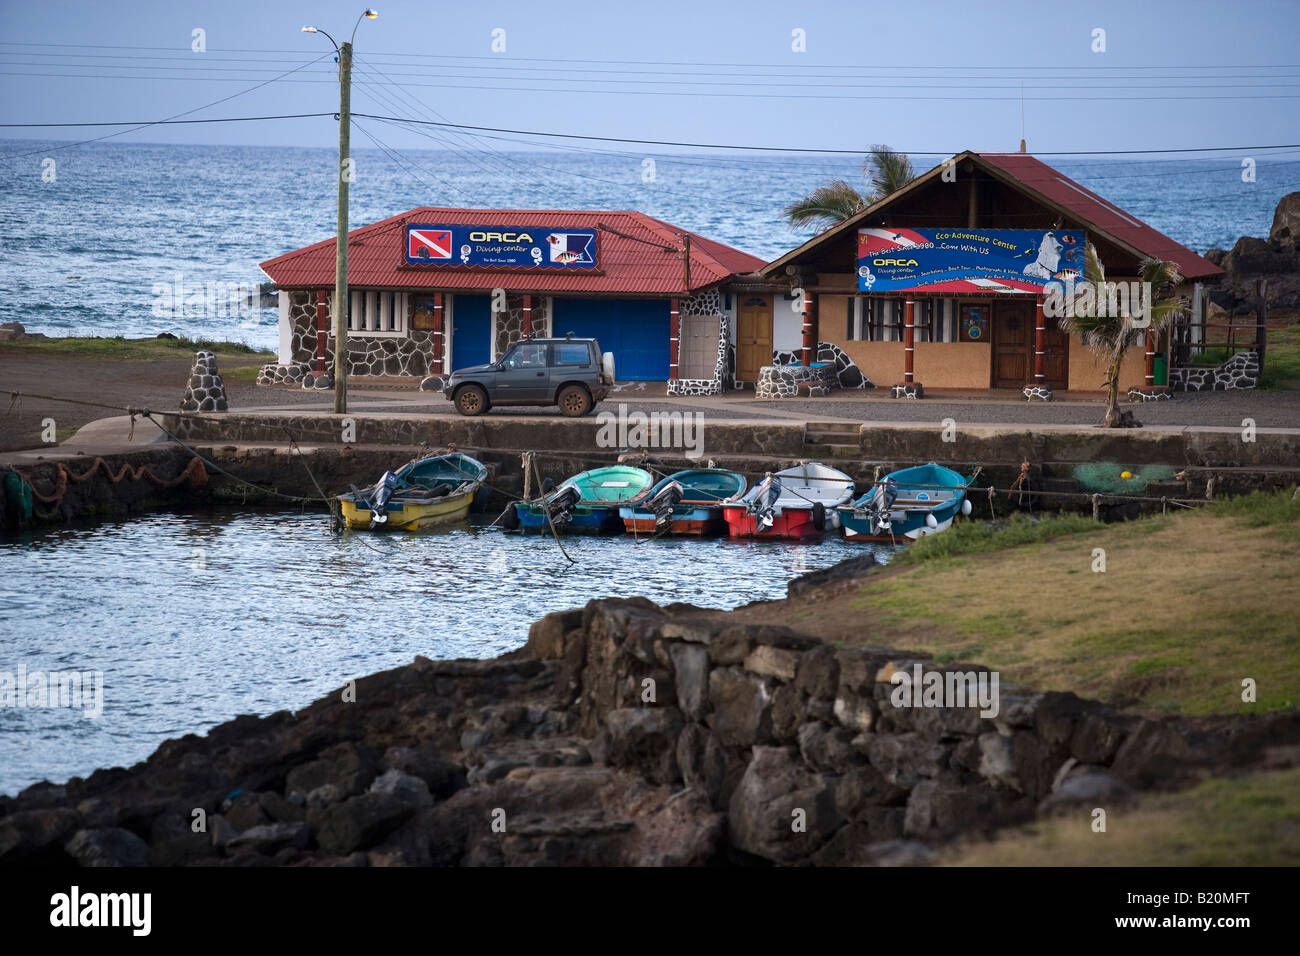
(341, 245)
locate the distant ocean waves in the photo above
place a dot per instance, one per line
(88, 253)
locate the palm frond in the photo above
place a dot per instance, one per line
(826, 205)
(886, 171)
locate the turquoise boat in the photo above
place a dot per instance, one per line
(686, 502)
(587, 503)
(907, 504)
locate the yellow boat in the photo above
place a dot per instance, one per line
(422, 494)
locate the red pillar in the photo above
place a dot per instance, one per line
(909, 340)
(528, 316)
(674, 338)
(1040, 344)
(437, 334)
(1151, 357)
(808, 345)
(322, 324)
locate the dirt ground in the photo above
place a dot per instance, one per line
(156, 384)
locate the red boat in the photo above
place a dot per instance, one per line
(795, 504)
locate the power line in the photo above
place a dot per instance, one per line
(174, 117)
(176, 122)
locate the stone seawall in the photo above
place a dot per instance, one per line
(626, 733)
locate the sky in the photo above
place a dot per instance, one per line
(933, 77)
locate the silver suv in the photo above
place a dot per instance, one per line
(567, 372)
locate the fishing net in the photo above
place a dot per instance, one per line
(1109, 477)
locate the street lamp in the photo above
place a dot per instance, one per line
(341, 252)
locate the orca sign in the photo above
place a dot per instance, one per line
(517, 247)
(967, 260)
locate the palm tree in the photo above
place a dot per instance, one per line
(885, 172)
(1111, 335)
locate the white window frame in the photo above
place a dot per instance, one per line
(378, 313)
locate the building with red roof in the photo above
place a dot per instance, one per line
(991, 234)
(435, 289)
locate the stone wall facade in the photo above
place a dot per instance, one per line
(794, 380)
(1240, 371)
(707, 303)
(847, 373)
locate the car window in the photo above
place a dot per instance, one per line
(570, 353)
(527, 355)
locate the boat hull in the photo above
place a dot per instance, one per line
(410, 517)
(693, 521)
(792, 524)
(583, 520)
(858, 528)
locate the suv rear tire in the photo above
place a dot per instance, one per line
(471, 400)
(574, 401)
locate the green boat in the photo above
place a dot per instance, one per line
(586, 503)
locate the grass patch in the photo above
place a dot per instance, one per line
(1242, 821)
(1187, 606)
(970, 537)
(243, 374)
(1282, 359)
(119, 347)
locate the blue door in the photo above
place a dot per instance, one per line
(471, 331)
(635, 330)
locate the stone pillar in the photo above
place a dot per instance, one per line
(322, 330)
(674, 337)
(527, 329)
(438, 336)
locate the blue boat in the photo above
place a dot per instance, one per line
(586, 503)
(907, 504)
(686, 502)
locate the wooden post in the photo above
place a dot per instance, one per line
(1040, 344)
(806, 358)
(674, 337)
(439, 335)
(816, 327)
(528, 316)
(909, 340)
(322, 331)
(1261, 321)
(1151, 357)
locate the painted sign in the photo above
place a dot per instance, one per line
(967, 260)
(532, 247)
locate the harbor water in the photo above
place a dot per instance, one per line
(194, 619)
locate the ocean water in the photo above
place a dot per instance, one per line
(193, 619)
(91, 252)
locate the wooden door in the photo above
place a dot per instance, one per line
(698, 353)
(1013, 343)
(753, 336)
(1056, 356)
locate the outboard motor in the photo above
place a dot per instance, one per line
(560, 506)
(663, 503)
(882, 519)
(379, 495)
(763, 505)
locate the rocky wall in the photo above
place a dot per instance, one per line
(626, 734)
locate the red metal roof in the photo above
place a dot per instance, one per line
(623, 265)
(1093, 210)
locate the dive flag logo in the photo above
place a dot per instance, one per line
(428, 244)
(570, 248)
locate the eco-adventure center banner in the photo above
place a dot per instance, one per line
(967, 260)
